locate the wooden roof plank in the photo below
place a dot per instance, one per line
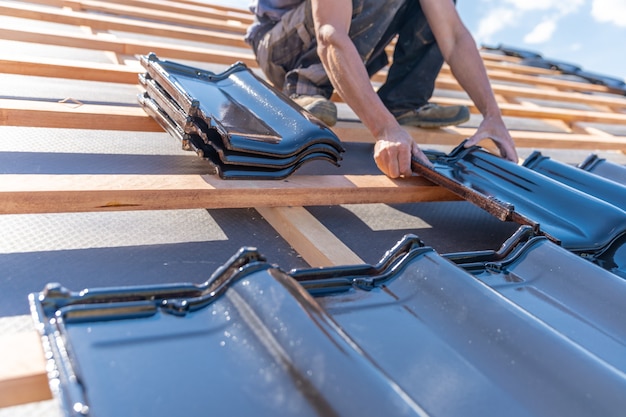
(158, 15)
(105, 22)
(204, 10)
(543, 112)
(70, 69)
(23, 377)
(75, 115)
(33, 193)
(125, 46)
(133, 118)
(317, 245)
(451, 136)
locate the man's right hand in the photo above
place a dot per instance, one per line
(393, 152)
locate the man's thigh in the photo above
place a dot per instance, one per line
(281, 47)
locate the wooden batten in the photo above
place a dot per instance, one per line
(39, 193)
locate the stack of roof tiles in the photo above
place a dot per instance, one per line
(235, 120)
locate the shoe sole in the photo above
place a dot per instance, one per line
(434, 123)
(325, 111)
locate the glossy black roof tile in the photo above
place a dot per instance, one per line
(604, 168)
(249, 114)
(534, 59)
(578, 221)
(514, 51)
(233, 164)
(511, 333)
(587, 182)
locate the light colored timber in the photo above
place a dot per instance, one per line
(221, 7)
(356, 132)
(75, 115)
(70, 69)
(130, 118)
(201, 10)
(537, 81)
(81, 70)
(317, 245)
(518, 68)
(86, 193)
(125, 46)
(105, 22)
(566, 115)
(23, 377)
(158, 15)
(449, 83)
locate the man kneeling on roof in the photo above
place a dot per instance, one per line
(310, 48)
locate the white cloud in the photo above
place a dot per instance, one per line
(493, 22)
(541, 33)
(511, 13)
(612, 11)
(563, 7)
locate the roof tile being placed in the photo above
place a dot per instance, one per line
(604, 168)
(586, 214)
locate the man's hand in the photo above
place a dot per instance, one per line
(493, 128)
(393, 152)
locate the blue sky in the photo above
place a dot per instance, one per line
(588, 33)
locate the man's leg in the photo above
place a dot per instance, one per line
(287, 54)
(410, 82)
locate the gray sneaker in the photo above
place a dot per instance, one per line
(433, 115)
(318, 106)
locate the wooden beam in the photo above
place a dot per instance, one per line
(535, 81)
(85, 193)
(76, 116)
(105, 22)
(449, 83)
(566, 115)
(23, 377)
(125, 46)
(63, 68)
(518, 69)
(140, 12)
(221, 7)
(317, 245)
(130, 118)
(204, 10)
(452, 136)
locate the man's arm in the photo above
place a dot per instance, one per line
(349, 77)
(459, 51)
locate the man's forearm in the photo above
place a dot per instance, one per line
(468, 68)
(349, 77)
